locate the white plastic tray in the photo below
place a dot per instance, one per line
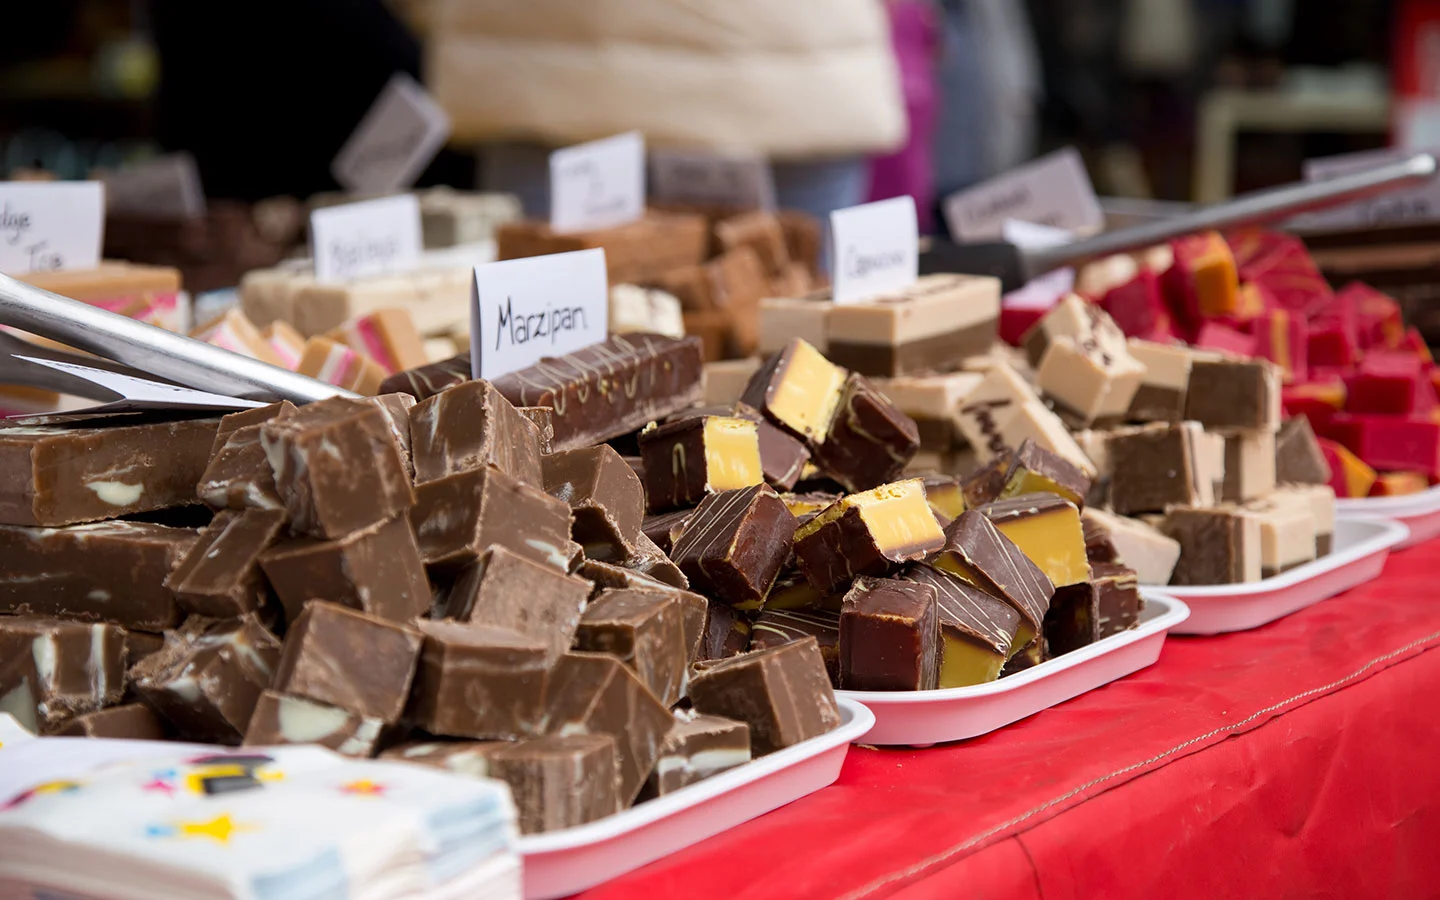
(923, 718)
(1359, 551)
(560, 863)
(1418, 512)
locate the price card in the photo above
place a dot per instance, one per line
(1417, 204)
(684, 176)
(165, 187)
(874, 249)
(525, 309)
(400, 134)
(46, 226)
(1054, 190)
(375, 237)
(598, 185)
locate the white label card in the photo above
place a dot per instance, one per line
(525, 309)
(166, 187)
(599, 184)
(1054, 190)
(140, 394)
(875, 249)
(46, 226)
(1417, 204)
(394, 142)
(684, 176)
(375, 237)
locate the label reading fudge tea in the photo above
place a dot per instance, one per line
(875, 249)
(691, 176)
(46, 226)
(598, 185)
(394, 142)
(525, 309)
(361, 239)
(1053, 190)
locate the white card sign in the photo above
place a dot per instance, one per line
(685, 176)
(375, 237)
(394, 142)
(1417, 204)
(166, 187)
(875, 248)
(525, 309)
(46, 226)
(1054, 190)
(599, 184)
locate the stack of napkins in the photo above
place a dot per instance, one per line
(85, 818)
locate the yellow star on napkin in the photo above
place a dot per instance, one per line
(217, 829)
(364, 787)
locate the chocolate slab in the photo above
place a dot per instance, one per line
(1235, 394)
(469, 427)
(689, 459)
(376, 570)
(426, 381)
(976, 629)
(220, 577)
(108, 572)
(349, 659)
(606, 498)
(727, 632)
(1118, 598)
(869, 441)
(1047, 528)
(782, 693)
(1073, 620)
(1217, 546)
(799, 390)
(889, 636)
(694, 749)
(938, 353)
(645, 631)
(239, 475)
(246, 418)
(52, 670)
(457, 517)
(610, 388)
(977, 552)
(337, 468)
(663, 528)
(1035, 469)
(1161, 467)
(52, 476)
(559, 781)
(1298, 458)
(285, 719)
(869, 533)
(734, 546)
(479, 681)
(133, 721)
(507, 590)
(396, 408)
(774, 627)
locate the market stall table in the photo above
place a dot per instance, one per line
(1298, 759)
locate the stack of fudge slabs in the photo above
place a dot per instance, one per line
(461, 581)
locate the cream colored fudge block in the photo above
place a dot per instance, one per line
(1139, 545)
(1089, 383)
(1077, 318)
(929, 396)
(725, 380)
(1249, 466)
(933, 305)
(1287, 535)
(784, 318)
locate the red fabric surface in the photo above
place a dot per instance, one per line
(1297, 759)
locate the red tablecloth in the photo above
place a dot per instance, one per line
(1297, 759)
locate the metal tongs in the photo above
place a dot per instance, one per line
(1015, 265)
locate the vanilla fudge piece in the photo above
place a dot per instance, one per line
(606, 497)
(725, 379)
(869, 441)
(350, 660)
(343, 366)
(220, 576)
(1138, 545)
(695, 748)
(976, 629)
(281, 719)
(479, 681)
(558, 781)
(784, 319)
(506, 590)
(799, 390)
(889, 636)
(1161, 395)
(1234, 394)
(869, 533)
(457, 517)
(337, 468)
(1321, 499)
(782, 693)
(981, 555)
(377, 570)
(1249, 466)
(637, 309)
(928, 326)
(733, 547)
(1088, 382)
(931, 401)
(1075, 318)
(52, 671)
(1047, 528)
(1298, 457)
(1004, 411)
(690, 458)
(1287, 534)
(1161, 465)
(468, 427)
(1219, 545)
(644, 630)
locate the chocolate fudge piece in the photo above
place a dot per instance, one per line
(248, 418)
(349, 659)
(610, 388)
(595, 693)
(930, 325)
(469, 427)
(1298, 457)
(1135, 544)
(465, 757)
(806, 506)
(888, 636)
(1036, 470)
(52, 670)
(108, 572)
(543, 418)
(976, 629)
(727, 632)
(285, 719)
(793, 591)
(479, 681)
(869, 441)
(133, 721)
(868, 533)
(1249, 466)
(648, 559)
(695, 748)
(1162, 466)
(774, 627)
(735, 544)
(426, 381)
(376, 570)
(207, 678)
(396, 408)
(1161, 396)
(458, 516)
(337, 468)
(1081, 614)
(689, 459)
(507, 590)
(559, 781)
(1047, 528)
(1098, 546)
(664, 528)
(644, 630)
(782, 693)
(1219, 545)
(239, 475)
(782, 457)
(1118, 597)
(1234, 394)
(606, 498)
(799, 390)
(980, 554)
(220, 576)
(52, 476)
(140, 644)
(985, 484)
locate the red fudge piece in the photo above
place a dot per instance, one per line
(1215, 336)
(1282, 337)
(1281, 264)
(1390, 383)
(1138, 307)
(1378, 320)
(1392, 442)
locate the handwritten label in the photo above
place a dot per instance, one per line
(164, 187)
(141, 394)
(525, 309)
(599, 184)
(683, 176)
(376, 237)
(875, 249)
(46, 226)
(1053, 190)
(392, 145)
(1419, 204)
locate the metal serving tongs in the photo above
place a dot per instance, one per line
(1015, 265)
(150, 350)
